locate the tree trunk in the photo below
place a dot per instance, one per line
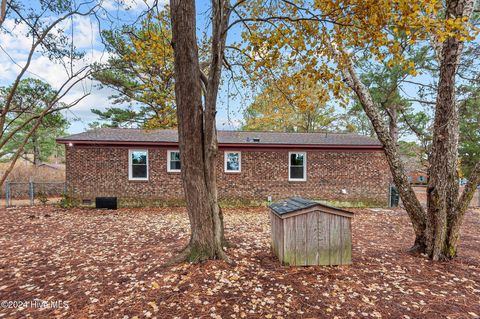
(442, 191)
(3, 11)
(36, 150)
(437, 231)
(21, 147)
(393, 123)
(405, 190)
(197, 131)
(455, 221)
(220, 18)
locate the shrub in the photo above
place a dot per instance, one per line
(65, 201)
(42, 197)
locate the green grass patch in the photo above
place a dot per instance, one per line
(224, 203)
(352, 204)
(242, 202)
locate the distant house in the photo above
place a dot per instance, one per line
(142, 167)
(418, 177)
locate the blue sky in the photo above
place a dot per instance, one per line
(86, 38)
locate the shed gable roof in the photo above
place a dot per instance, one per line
(297, 204)
(118, 135)
(292, 204)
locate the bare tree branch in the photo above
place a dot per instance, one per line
(41, 30)
(33, 50)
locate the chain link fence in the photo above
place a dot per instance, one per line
(33, 193)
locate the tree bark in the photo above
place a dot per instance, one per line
(438, 230)
(393, 123)
(36, 150)
(3, 11)
(405, 190)
(42, 32)
(197, 127)
(21, 147)
(220, 18)
(455, 221)
(442, 191)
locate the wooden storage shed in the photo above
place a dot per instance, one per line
(306, 233)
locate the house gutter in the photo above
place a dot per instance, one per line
(237, 146)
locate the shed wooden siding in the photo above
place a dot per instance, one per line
(313, 238)
(277, 236)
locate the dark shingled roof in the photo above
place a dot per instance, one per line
(224, 137)
(291, 204)
(294, 204)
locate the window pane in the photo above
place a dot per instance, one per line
(139, 171)
(233, 162)
(175, 156)
(296, 172)
(296, 159)
(175, 165)
(233, 166)
(139, 158)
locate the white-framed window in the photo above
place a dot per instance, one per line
(138, 165)
(173, 161)
(233, 162)
(297, 166)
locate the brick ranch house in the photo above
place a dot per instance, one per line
(142, 167)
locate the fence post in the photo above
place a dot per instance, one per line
(7, 186)
(30, 187)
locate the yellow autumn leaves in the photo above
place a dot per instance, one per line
(294, 103)
(151, 56)
(304, 37)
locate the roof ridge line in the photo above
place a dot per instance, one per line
(220, 130)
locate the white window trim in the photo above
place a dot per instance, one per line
(168, 162)
(239, 162)
(130, 172)
(304, 179)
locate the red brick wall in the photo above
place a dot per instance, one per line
(103, 171)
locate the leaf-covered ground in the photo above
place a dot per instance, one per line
(110, 264)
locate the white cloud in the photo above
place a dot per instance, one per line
(17, 44)
(84, 32)
(43, 68)
(86, 38)
(16, 40)
(225, 123)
